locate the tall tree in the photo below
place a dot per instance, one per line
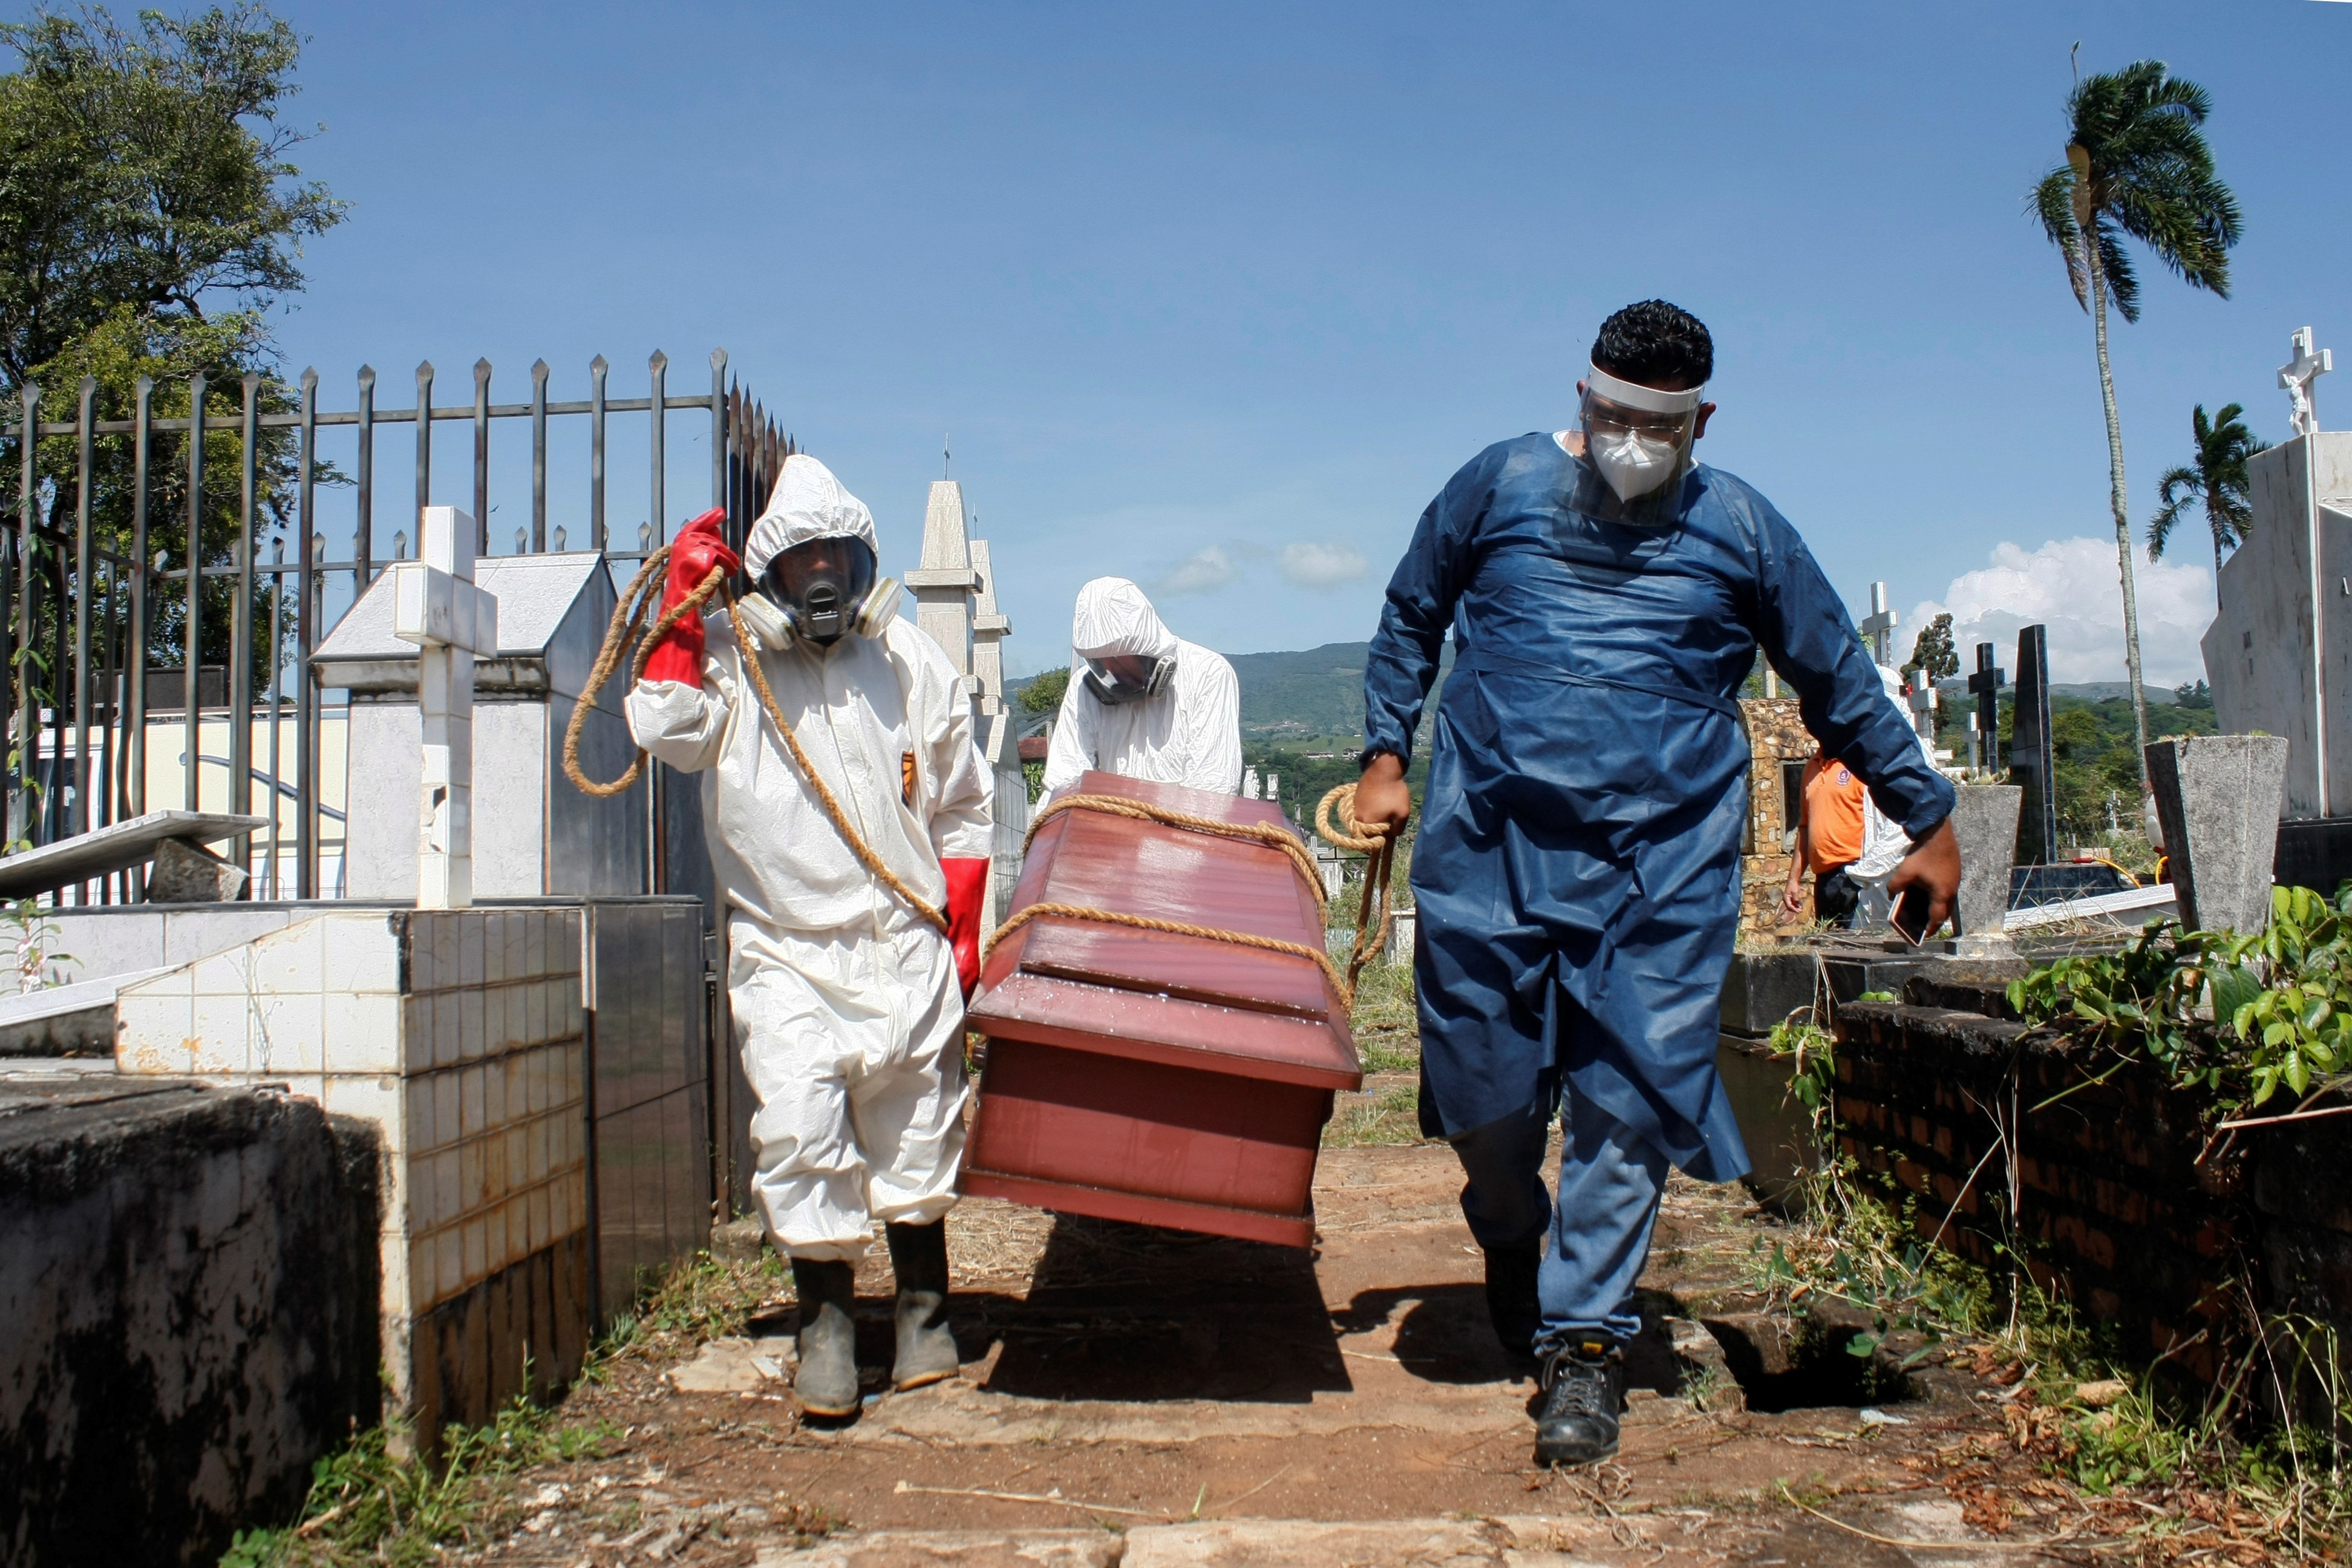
(146, 169)
(2216, 476)
(2137, 165)
(1933, 654)
(148, 217)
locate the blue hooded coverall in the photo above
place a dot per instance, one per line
(1578, 864)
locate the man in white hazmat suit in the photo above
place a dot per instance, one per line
(1142, 702)
(848, 1003)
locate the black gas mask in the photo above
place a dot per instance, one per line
(824, 588)
(1122, 678)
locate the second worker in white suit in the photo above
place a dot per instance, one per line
(1142, 702)
(847, 1002)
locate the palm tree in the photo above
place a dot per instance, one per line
(2137, 165)
(2218, 478)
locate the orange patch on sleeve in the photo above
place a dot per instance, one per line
(907, 778)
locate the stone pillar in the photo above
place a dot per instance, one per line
(437, 606)
(2217, 797)
(2031, 758)
(1000, 744)
(1984, 822)
(945, 585)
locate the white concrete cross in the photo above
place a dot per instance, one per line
(437, 606)
(1880, 627)
(2308, 365)
(1924, 700)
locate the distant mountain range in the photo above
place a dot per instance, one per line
(1319, 692)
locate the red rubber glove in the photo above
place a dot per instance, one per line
(967, 886)
(698, 548)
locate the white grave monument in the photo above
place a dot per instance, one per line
(437, 606)
(955, 606)
(2282, 639)
(1879, 626)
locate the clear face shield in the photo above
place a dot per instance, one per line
(1122, 678)
(1637, 446)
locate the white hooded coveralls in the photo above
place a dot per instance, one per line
(846, 1005)
(1190, 733)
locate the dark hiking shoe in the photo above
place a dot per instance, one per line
(1584, 1388)
(827, 1380)
(927, 1347)
(1511, 1297)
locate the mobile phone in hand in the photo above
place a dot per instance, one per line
(1910, 920)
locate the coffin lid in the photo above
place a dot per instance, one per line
(1160, 995)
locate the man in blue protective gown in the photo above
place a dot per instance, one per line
(1578, 865)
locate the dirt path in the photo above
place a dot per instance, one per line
(1142, 1396)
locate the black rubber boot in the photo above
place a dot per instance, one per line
(927, 1347)
(1584, 1388)
(826, 1381)
(1511, 1296)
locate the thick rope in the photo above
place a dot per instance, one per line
(628, 615)
(1264, 833)
(857, 847)
(1022, 917)
(1369, 838)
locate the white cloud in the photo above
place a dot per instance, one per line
(2072, 586)
(1203, 572)
(1322, 565)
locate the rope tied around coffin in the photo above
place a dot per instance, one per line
(628, 616)
(1087, 913)
(1264, 833)
(1372, 838)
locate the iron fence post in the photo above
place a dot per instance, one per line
(363, 480)
(306, 632)
(424, 450)
(597, 368)
(135, 762)
(481, 457)
(192, 660)
(80, 822)
(539, 454)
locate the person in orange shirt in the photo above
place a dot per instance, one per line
(1828, 839)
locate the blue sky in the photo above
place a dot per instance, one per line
(1202, 293)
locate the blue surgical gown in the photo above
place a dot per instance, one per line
(1578, 862)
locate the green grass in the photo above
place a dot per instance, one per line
(1391, 1116)
(1386, 1025)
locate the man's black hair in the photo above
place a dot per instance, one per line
(1653, 343)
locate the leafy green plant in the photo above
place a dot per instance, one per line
(2235, 1015)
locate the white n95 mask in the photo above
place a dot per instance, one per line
(1634, 464)
(1638, 438)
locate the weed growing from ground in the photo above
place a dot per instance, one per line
(376, 1501)
(2219, 1474)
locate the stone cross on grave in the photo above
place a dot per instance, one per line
(437, 606)
(1987, 683)
(1880, 627)
(2307, 367)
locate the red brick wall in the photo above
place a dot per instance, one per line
(2099, 1190)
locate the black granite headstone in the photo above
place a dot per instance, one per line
(2030, 756)
(1985, 684)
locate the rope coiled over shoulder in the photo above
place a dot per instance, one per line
(628, 616)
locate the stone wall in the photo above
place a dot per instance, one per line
(189, 1278)
(1775, 736)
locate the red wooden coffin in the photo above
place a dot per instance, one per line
(1143, 1076)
